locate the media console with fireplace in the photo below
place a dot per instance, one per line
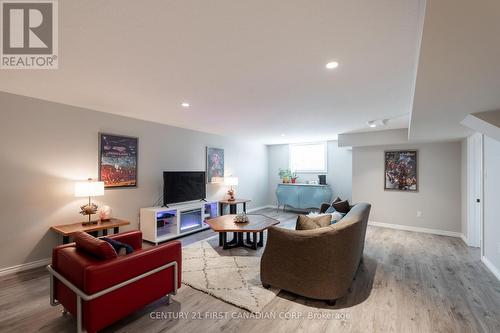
(159, 224)
(175, 218)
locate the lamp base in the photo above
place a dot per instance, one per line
(90, 221)
(86, 223)
(231, 195)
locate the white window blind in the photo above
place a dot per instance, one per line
(308, 157)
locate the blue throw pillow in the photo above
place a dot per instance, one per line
(330, 210)
(118, 245)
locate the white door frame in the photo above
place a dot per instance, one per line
(475, 190)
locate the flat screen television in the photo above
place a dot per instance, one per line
(180, 186)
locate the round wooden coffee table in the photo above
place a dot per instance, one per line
(255, 226)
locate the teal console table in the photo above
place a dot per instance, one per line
(303, 196)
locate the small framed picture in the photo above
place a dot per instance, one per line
(401, 170)
(118, 159)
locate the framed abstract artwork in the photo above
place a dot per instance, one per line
(118, 159)
(401, 170)
(215, 163)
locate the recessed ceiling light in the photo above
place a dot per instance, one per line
(332, 65)
(372, 124)
(283, 134)
(185, 104)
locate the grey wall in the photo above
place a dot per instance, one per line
(339, 175)
(45, 147)
(491, 222)
(438, 198)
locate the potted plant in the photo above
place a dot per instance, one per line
(285, 175)
(294, 177)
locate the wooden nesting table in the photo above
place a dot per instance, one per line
(254, 227)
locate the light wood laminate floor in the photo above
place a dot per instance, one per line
(408, 282)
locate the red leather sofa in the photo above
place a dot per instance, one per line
(101, 291)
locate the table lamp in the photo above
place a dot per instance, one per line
(89, 189)
(217, 180)
(231, 181)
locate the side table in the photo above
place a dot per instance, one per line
(67, 229)
(233, 205)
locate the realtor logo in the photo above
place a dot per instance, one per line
(29, 34)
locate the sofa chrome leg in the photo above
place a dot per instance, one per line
(64, 311)
(168, 300)
(175, 278)
(331, 302)
(266, 285)
(53, 301)
(79, 310)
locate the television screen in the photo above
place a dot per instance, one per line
(180, 186)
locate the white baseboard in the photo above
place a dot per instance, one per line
(464, 238)
(25, 266)
(417, 229)
(491, 267)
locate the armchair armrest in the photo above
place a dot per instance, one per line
(132, 238)
(107, 274)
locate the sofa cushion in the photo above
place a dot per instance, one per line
(331, 209)
(341, 206)
(94, 246)
(336, 216)
(307, 223)
(120, 248)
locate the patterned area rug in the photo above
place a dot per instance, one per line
(230, 275)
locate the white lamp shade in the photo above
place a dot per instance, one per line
(231, 181)
(89, 189)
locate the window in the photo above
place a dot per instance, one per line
(308, 157)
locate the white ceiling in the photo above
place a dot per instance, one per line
(459, 67)
(253, 69)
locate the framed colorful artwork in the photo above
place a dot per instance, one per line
(215, 163)
(118, 159)
(401, 170)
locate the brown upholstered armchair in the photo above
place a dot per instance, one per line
(319, 263)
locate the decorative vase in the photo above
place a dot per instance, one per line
(105, 213)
